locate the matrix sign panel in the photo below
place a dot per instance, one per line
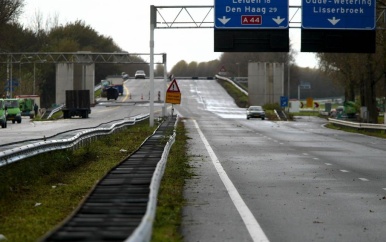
(251, 14)
(338, 14)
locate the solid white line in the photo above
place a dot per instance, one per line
(250, 221)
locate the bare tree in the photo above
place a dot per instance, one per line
(10, 10)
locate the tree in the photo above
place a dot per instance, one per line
(10, 10)
(180, 69)
(360, 74)
(159, 70)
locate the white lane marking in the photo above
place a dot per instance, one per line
(384, 188)
(315, 158)
(250, 221)
(344, 170)
(305, 154)
(363, 179)
(328, 164)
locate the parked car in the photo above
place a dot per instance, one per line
(140, 74)
(255, 112)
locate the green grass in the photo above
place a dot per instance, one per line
(375, 133)
(240, 98)
(39, 192)
(170, 200)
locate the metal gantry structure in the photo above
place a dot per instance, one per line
(80, 57)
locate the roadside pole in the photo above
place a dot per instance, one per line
(152, 27)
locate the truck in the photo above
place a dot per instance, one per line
(13, 110)
(77, 104)
(116, 82)
(3, 114)
(27, 103)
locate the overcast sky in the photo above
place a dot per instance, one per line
(127, 22)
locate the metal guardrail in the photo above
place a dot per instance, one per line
(84, 136)
(357, 125)
(55, 111)
(144, 231)
(234, 84)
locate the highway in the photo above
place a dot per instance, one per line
(258, 180)
(134, 101)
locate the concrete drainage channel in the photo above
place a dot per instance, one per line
(122, 205)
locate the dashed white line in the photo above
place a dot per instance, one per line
(363, 179)
(315, 158)
(344, 171)
(250, 221)
(328, 164)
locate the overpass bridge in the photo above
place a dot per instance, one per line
(74, 70)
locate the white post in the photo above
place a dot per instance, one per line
(11, 81)
(152, 27)
(164, 86)
(33, 89)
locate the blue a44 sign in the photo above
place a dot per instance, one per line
(338, 14)
(251, 14)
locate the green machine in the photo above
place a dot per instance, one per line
(26, 106)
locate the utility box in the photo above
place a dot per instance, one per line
(294, 106)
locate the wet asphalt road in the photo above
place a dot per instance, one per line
(258, 180)
(135, 101)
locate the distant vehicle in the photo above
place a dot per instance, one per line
(125, 76)
(140, 74)
(117, 82)
(3, 114)
(112, 93)
(77, 104)
(256, 112)
(13, 110)
(27, 103)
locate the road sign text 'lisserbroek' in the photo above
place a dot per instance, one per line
(338, 14)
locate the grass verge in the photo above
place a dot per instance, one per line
(40, 192)
(240, 98)
(170, 199)
(375, 133)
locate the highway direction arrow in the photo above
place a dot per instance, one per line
(339, 14)
(251, 14)
(224, 20)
